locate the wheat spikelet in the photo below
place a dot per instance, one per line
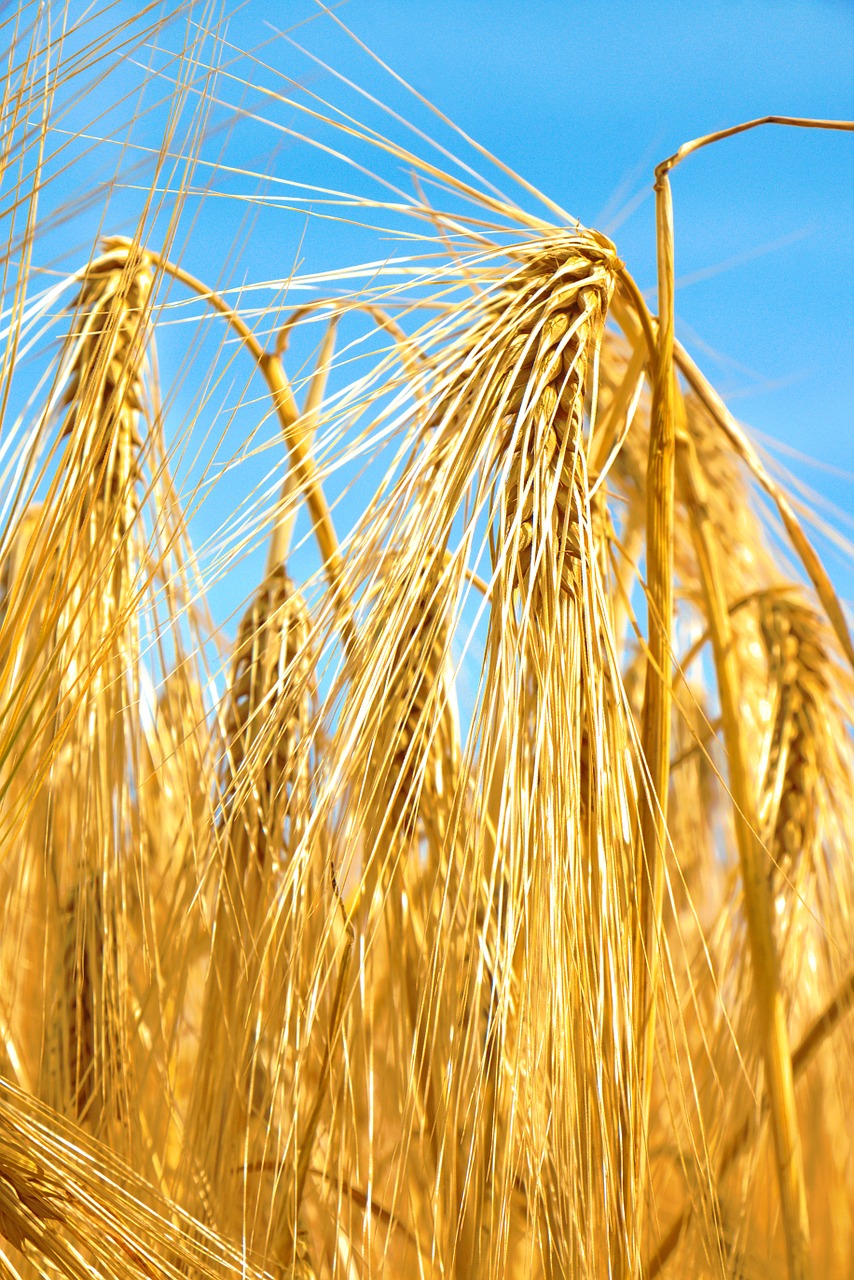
(261, 960)
(267, 710)
(521, 384)
(572, 328)
(799, 667)
(104, 392)
(807, 831)
(552, 309)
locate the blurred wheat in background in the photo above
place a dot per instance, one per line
(425, 721)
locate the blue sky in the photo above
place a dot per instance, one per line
(584, 99)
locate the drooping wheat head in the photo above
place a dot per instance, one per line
(241, 1132)
(92, 512)
(105, 392)
(798, 751)
(511, 401)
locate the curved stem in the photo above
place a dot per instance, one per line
(297, 437)
(793, 122)
(281, 538)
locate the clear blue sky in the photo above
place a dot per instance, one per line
(582, 99)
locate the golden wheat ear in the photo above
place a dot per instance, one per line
(69, 699)
(559, 684)
(261, 961)
(70, 1207)
(80, 807)
(504, 433)
(799, 752)
(104, 394)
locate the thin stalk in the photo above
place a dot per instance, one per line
(820, 1031)
(658, 692)
(767, 989)
(792, 122)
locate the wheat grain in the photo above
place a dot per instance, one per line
(799, 671)
(104, 392)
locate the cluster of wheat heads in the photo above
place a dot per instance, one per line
(344, 965)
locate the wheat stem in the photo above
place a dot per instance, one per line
(656, 716)
(768, 996)
(796, 122)
(280, 540)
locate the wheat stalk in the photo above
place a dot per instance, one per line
(68, 1203)
(70, 682)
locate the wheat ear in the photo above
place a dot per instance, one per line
(799, 667)
(257, 948)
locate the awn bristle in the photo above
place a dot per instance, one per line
(71, 1207)
(415, 742)
(32, 1206)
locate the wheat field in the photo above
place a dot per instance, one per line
(425, 718)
